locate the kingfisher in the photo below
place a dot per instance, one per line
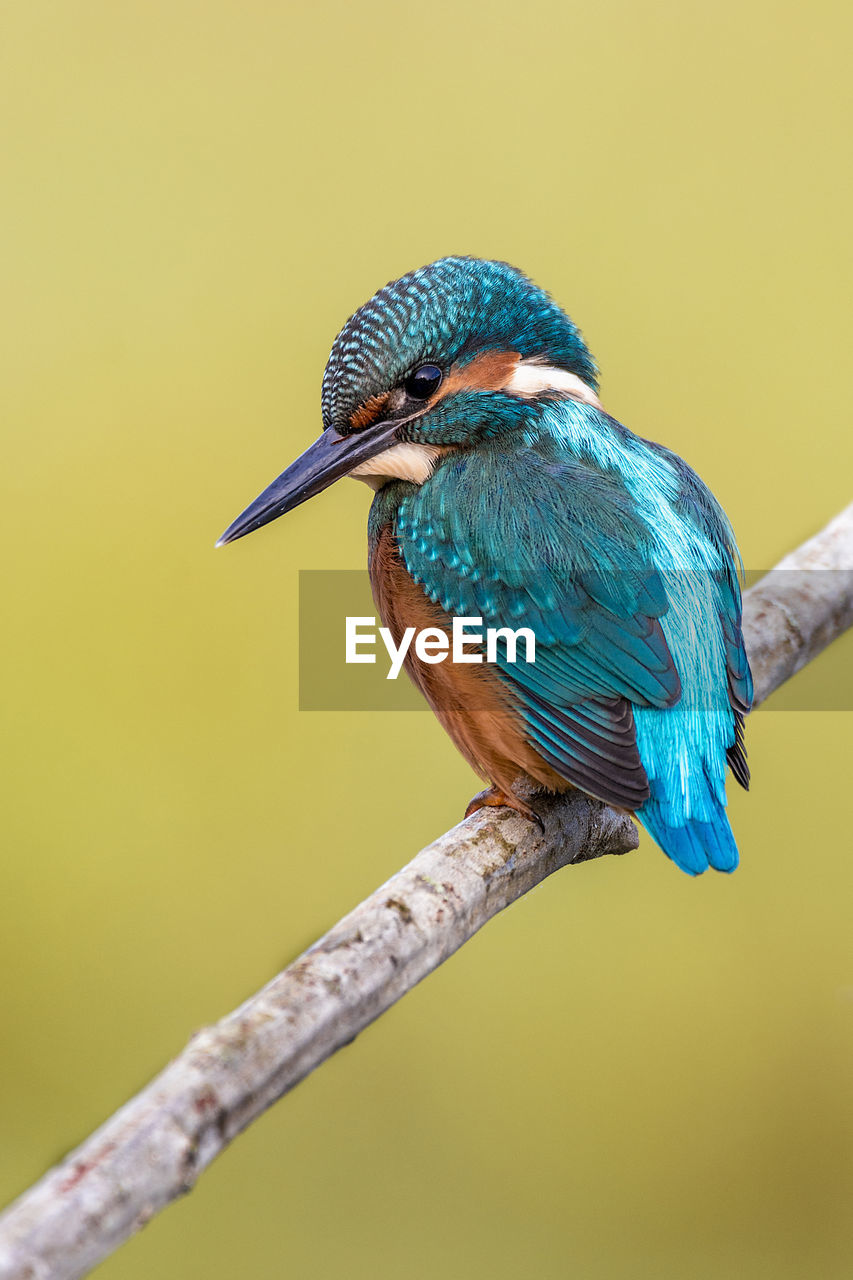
(467, 399)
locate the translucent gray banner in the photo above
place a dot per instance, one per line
(338, 619)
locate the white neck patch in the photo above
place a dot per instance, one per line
(406, 461)
(530, 378)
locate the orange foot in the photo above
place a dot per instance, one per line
(495, 798)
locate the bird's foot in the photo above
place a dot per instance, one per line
(495, 798)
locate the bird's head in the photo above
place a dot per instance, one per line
(441, 359)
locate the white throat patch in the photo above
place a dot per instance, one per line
(406, 461)
(529, 378)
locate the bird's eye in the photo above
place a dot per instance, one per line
(421, 384)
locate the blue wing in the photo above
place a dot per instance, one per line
(519, 538)
(590, 540)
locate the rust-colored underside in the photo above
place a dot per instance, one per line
(468, 699)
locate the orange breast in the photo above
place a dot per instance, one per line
(472, 705)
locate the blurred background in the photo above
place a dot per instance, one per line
(629, 1073)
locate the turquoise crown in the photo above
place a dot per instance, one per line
(443, 314)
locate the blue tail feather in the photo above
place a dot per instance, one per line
(695, 845)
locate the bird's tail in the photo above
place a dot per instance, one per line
(693, 845)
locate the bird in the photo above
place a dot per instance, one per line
(467, 399)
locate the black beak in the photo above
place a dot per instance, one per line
(324, 462)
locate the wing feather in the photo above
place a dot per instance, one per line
(517, 539)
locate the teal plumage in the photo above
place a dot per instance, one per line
(623, 564)
(456, 308)
(536, 508)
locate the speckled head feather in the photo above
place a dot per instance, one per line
(443, 314)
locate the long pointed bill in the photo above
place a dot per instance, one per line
(325, 461)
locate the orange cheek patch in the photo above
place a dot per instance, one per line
(492, 371)
(368, 412)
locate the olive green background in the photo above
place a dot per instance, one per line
(629, 1074)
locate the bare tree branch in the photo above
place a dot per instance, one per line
(799, 607)
(155, 1147)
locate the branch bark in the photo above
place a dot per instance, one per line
(157, 1145)
(799, 607)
